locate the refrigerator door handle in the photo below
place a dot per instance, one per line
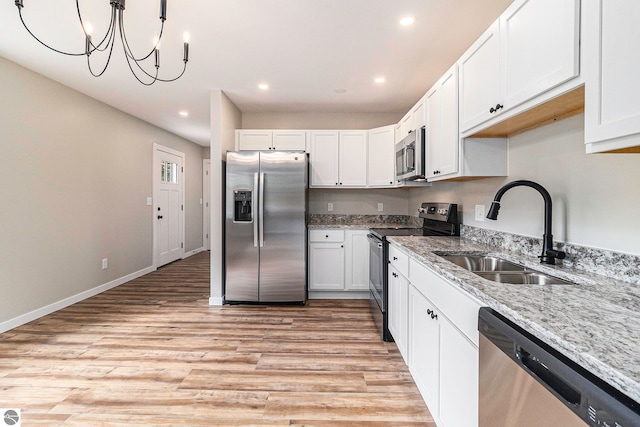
(261, 210)
(255, 221)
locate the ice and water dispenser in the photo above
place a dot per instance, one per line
(242, 206)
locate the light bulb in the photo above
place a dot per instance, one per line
(156, 43)
(186, 37)
(88, 28)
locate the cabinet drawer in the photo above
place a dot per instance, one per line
(399, 260)
(461, 309)
(326, 235)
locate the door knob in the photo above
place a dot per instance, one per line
(159, 216)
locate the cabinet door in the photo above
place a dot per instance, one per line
(254, 140)
(289, 140)
(353, 159)
(458, 378)
(450, 135)
(611, 43)
(418, 114)
(406, 125)
(323, 158)
(399, 310)
(398, 133)
(480, 80)
(434, 131)
(539, 47)
(357, 264)
(381, 157)
(424, 349)
(326, 266)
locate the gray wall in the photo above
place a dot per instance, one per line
(225, 119)
(75, 177)
(596, 197)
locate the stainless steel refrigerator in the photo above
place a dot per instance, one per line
(266, 227)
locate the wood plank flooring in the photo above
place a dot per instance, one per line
(153, 352)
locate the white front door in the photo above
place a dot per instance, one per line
(168, 206)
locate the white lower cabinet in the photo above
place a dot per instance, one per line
(397, 310)
(443, 347)
(338, 260)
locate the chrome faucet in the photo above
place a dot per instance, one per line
(549, 255)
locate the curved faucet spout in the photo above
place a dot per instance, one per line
(549, 255)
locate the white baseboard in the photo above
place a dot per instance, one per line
(215, 301)
(338, 294)
(193, 252)
(48, 309)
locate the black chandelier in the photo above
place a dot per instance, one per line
(108, 41)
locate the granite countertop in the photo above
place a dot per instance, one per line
(595, 323)
(361, 222)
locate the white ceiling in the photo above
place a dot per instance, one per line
(304, 50)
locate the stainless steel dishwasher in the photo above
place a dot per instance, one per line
(526, 383)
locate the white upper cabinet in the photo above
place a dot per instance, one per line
(338, 158)
(406, 125)
(480, 79)
(611, 43)
(381, 157)
(442, 138)
(254, 139)
(532, 48)
(323, 158)
(540, 42)
(353, 158)
(284, 140)
(290, 140)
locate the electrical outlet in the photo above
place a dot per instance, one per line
(380, 207)
(105, 263)
(329, 207)
(479, 212)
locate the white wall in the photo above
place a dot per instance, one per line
(225, 119)
(75, 177)
(596, 197)
(361, 202)
(304, 120)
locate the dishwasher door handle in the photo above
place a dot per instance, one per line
(564, 390)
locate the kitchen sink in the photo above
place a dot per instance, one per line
(522, 277)
(482, 263)
(502, 271)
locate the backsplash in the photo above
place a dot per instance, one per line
(403, 220)
(616, 265)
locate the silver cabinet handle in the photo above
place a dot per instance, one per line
(261, 210)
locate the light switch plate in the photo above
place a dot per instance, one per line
(149, 201)
(480, 213)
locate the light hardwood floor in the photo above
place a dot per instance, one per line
(153, 352)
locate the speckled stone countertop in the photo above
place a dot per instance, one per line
(595, 323)
(361, 222)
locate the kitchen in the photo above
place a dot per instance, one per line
(545, 154)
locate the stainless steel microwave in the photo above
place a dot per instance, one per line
(410, 157)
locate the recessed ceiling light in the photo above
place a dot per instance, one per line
(340, 90)
(379, 80)
(263, 86)
(184, 113)
(407, 20)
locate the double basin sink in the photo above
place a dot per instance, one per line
(502, 271)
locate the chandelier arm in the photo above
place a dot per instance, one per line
(175, 78)
(43, 43)
(155, 79)
(109, 34)
(105, 65)
(123, 35)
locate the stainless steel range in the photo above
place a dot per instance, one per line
(439, 219)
